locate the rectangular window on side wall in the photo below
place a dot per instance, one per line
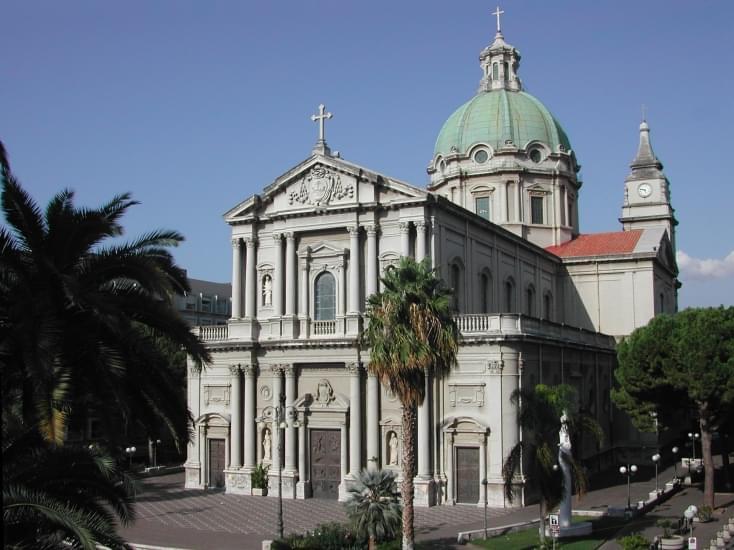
(482, 204)
(536, 210)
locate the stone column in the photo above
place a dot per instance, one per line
(450, 471)
(301, 490)
(278, 275)
(342, 291)
(371, 280)
(250, 283)
(518, 201)
(276, 440)
(373, 422)
(303, 291)
(290, 274)
(236, 422)
(236, 278)
(355, 419)
(424, 435)
(420, 240)
(290, 431)
(482, 469)
(424, 484)
(354, 269)
(502, 206)
(250, 443)
(405, 238)
(343, 462)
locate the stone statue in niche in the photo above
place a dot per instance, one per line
(267, 291)
(267, 445)
(392, 449)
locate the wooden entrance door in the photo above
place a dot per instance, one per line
(216, 463)
(325, 463)
(467, 475)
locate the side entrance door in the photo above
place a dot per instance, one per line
(325, 463)
(467, 475)
(216, 463)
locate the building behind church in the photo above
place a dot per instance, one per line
(536, 301)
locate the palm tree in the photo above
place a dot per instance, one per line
(79, 320)
(539, 411)
(373, 506)
(61, 496)
(412, 335)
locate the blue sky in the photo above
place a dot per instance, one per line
(194, 106)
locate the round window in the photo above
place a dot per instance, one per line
(536, 155)
(481, 156)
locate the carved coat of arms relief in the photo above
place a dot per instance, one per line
(319, 187)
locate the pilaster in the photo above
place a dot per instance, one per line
(236, 278)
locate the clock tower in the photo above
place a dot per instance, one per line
(647, 191)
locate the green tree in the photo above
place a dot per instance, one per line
(412, 335)
(373, 507)
(54, 496)
(81, 321)
(686, 359)
(539, 412)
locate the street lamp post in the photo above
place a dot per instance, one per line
(277, 415)
(656, 460)
(628, 471)
(675, 462)
(156, 442)
(689, 514)
(130, 451)
(693, 437)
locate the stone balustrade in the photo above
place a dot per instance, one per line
(472, 326)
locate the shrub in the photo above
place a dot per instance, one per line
(260, 477)
(667, 527)
(329, 536)
(634, 542)
(705, 513)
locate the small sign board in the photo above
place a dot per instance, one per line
(555, 526)
(692, 543)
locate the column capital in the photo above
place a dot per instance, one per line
(236, 242)
(249, 369)
(277, 238)
(276, 369)
(353, 230)
(371, 230)
(288, 369)
(289, 236)
(354, 368)
(420, 224)
(250, 242)
(404, 227)
(234, 370)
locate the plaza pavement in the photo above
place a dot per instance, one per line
(173, 517)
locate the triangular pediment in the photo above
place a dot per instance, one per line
(321, 183)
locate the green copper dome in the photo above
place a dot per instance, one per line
(496, 116)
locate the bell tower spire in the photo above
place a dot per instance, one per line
(647, 191)
(499, 62)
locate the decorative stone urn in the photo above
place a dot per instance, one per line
(673, 542)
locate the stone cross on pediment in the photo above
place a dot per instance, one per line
(497, 13)
(321, 118)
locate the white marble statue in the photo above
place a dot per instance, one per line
(267, 291)
(267, 443)
(392, 458)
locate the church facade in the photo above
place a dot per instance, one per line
(536, 301)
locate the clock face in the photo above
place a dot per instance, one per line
(645, 190)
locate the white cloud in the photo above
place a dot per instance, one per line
(705, 269)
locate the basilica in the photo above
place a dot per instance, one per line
(536, 301)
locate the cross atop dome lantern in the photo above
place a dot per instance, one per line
(499, 63)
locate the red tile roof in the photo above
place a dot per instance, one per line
(598, 244)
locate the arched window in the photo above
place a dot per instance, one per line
(495, 71)
(530, 301)
(485, 292)
(509, 295)
(547, 306)
(456, 284)
(662, 303)
(325, 297)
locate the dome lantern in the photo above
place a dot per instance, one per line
(499, 62)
